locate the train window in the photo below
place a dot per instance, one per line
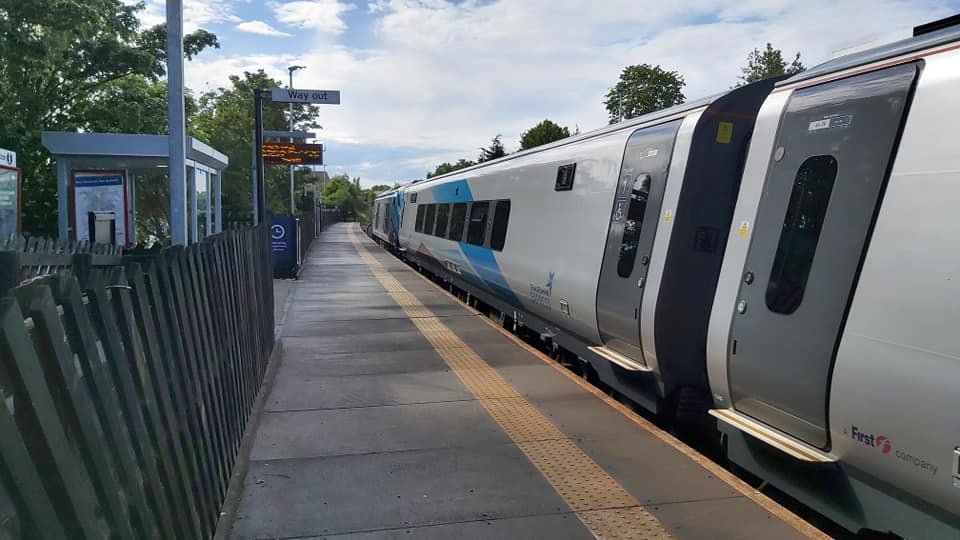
(376, 218)
(429, 219)
(633, 224)
(413, 197)
(477, 229)
(501, 215)
(421, 211)
(801, 233)
(458, 215)
(443, 212)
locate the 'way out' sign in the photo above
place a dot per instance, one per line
(284, 95)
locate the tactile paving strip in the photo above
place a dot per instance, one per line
(598, 500)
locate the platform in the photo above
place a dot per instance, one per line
(398, 412)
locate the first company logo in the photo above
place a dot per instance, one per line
(869, 439)
(883, 444)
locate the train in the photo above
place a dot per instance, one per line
(778, 259)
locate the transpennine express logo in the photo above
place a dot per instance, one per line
(869, 439)
(540, 294)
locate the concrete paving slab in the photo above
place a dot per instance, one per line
(317, 364)
(303, 434)
(735, 518)
(293, 391)
(385, 341)
(322, 496)
(554, 527)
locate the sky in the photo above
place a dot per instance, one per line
(428, 81)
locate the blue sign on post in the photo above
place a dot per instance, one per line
(283, 237)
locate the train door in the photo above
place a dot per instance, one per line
(633, 224)
(823, 188)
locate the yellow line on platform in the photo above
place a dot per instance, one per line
(597, 499)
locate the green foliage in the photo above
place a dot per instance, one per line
(767, 63)
(542, 133)
(380, 188)
(342, 193)
(58, 57)
(494, 151)
(133, 104)
(643, 89)
(445, 168)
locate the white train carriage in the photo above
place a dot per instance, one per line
(385, 222)
(833, 341)
(609, 244)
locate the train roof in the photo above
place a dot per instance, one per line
(884, 52)
(612, 128)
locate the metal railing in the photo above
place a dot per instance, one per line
(127, 381)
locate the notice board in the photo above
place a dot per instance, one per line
(99, 191)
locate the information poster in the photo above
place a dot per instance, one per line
(99, 192)
(9, 203)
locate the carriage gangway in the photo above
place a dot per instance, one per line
(396, 411)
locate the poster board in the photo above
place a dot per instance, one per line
(9, 202)
(99, 191)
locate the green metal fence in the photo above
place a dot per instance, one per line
(127, 381)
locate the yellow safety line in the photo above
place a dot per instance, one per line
(768, 504)
(597, 499)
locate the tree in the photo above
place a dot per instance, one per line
(57, 56)
(542, 133)
(494, 151)
(445, 168)
(643, 89)
(342, 193)
(767, 63)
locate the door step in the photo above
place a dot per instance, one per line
(619, 359)
(774, 438)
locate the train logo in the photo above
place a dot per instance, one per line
(540, 294)
(869, 439)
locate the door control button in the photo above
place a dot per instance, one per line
(742, 307)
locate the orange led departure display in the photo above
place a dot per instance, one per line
(281, 153)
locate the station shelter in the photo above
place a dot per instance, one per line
(98, 175)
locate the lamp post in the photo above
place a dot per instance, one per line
(177, 124)
(293, 207)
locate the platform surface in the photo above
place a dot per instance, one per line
(398, 412)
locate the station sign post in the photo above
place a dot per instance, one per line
(280, 95)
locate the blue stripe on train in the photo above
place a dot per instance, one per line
(456, 191)
(482, 259)
(485, 263)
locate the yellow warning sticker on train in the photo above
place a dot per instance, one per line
(744, 229)
(725, 132)
(667, 215)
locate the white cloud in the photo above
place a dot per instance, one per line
(445, 77)
(196, 13)
(323, 16)
(260, 27)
